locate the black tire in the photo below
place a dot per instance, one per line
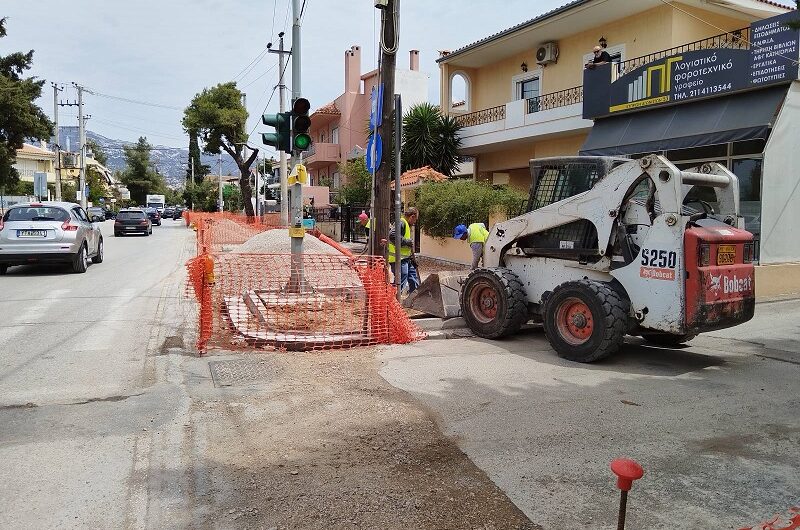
(81, 261)
(668, 340)
(3, 270)
(493, 302)
(586, 320)
(99, 257)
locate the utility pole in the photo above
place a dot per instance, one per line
(382, 191)
(56, 90)
(284, 170)
(82, 141)
(220, 198)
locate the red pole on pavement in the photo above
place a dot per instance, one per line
(626, 471)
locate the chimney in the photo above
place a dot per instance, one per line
(352, 69)
(414, 60)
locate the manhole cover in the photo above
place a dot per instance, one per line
(242, 372)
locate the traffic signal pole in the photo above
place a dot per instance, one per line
(296, 278)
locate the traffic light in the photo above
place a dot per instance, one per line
(281, 139)
(301, 122)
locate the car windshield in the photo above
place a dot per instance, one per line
(36, 213)
(130, 215)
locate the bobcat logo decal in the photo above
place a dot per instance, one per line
(501, 233)
(715, 283)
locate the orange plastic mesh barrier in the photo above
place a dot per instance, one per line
(792, 522)
(222, 231)
(246, 303)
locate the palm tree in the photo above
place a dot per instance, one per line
(430, 138)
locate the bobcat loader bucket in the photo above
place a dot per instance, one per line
(438, 295)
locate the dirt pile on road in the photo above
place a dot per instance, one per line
(277, 241)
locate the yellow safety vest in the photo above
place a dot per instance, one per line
(477, 233)
(405, 252)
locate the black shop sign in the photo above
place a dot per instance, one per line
(689, 76)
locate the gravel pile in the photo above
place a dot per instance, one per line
(277, 241)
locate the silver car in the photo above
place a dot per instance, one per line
(48, 232)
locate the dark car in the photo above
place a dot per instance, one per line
(154, 215)
(132, 221)
(178, 213)
(168, 213)
(96, 214)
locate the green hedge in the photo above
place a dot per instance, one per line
(444, 205)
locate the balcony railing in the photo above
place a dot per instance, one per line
(736, 39)
(482, 116)
(562, 98)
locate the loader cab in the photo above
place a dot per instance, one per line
(556, 179)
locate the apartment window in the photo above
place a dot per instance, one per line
(335, 135)
(322, 137)
(530, 88)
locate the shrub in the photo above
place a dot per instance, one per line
(443, 205)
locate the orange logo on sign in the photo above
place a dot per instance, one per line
(653, 273)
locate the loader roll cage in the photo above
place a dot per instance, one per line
(566, 188)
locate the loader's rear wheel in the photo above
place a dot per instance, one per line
(493, 302)
(585, 321)
(665, 339)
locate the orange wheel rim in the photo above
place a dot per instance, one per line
(484, 301)
(574, 321)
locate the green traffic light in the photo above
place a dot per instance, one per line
(302, 141)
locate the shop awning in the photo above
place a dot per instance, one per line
(733, 118)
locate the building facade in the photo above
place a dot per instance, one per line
(339, 128)
(529, 95)
(34, 159)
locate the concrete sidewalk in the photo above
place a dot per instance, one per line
(714, 424)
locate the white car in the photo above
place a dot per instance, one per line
(49, 232)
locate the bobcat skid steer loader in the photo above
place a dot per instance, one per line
(609, 247)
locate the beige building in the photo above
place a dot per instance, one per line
(525, 93)
(35, 158)
(515, 108)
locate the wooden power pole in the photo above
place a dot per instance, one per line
(382, 185)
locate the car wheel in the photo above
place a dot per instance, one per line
(585, 320)
(99, 257)
(81, 260)
(3, 270)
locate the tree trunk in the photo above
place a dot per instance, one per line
(247, 191)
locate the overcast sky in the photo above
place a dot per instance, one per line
(165, 51)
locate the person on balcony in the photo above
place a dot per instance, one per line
(600, 57)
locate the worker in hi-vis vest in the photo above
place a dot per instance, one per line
(409, 278)
(365, 221)
(477, 235)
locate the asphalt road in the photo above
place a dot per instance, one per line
(715, 424)
(74, 367)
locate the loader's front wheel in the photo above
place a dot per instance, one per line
(586, 320)
(493, 302)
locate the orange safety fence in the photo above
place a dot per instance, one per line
(249, 300)
(789, 522)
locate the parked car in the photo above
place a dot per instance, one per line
(132, 221)
(49, 232)
(154, 215)
(168, 213)
(178, 213)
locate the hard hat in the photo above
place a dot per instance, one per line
(459, 232)
(363, 216)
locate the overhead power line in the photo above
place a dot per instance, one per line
(134, 101)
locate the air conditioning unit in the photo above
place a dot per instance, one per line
(547, 53)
